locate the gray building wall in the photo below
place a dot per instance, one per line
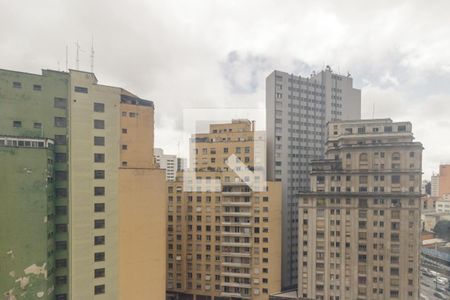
(297, 111)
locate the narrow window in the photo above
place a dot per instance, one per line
(37, 87)
(17, 124)
(80, 89)
(99, 140)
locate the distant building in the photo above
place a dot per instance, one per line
(444, 179)
(181, 164)
(359, 230)
(297, 111)
(443, 205)
(167, 162)
(435, 185)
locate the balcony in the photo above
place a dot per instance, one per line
(236, 203)
(236, 284)
(236, 244)
(240, 223)
(236, 193)
(237, 213)
(231, 274)
(235, 295)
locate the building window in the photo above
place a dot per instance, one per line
(124, 164)
(99, 191)
(60, 102)
(99, 157)
(132, 115)
(61, 228)
(124, 130)
(61, 245)
(17, 85)
(61, 192)
(99, 240)
(99, 289)
(395, 179)
(37, 87)
(37, 125)
(99, 273)
(99, 174)
(80, 89)
(60, 140)
(61, 175)
(17, 124)
(60, 157)
(99, 107)
(99, 207)
(99, 256)
(99, 124)
(99, 140)
(124, 147)
(60, 122)
(99, 223)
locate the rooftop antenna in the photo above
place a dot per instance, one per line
(67, 58)
(78, 56)
(92, 55)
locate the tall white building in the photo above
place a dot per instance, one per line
(435, 185)
(167, 162)
(297, 111)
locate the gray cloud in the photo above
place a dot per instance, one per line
(184, 54)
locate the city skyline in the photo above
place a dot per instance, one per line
(401, 69)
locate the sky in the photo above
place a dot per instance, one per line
(216, 54)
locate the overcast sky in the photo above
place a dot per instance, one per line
(215, 54)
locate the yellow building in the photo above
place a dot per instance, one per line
(116, 195)
(224, 231)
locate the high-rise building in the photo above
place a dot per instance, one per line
(167, 162)
(360, 223)
(82, 153)
(224, 237)
(181, 164)
(444, 179)
(435, 185)
(297, 111)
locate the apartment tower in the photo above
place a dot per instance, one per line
(360, 223)
(77, 151)
(224, 235)
(297, 111)
(167, 162)
(444, 180)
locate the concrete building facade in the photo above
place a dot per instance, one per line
(435, 185)
(297, 111)
(224, 238)
(84, 119)
(361, 220)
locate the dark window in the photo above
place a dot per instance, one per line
(60, 157)
(61, 245)
(61, 279)
(99, 223)
(99, 289)
(99, 191)
(99, 207)
(99, 107)
(99, 256)
(17, 85)
(124, 147)
(17, 124)
(61, 210)
(61, 227)
(99, 157)
(124, 130)
(61, 175)
(99, 140)
(99, 174)
(60, 140)
(37, 87)
(388, 129)
(37, 125)
(99, 273)
(80, 89)
(60, 122)
(99, 124)
(124, 164)
(395, 179)
(61, 297)
(60, 102)
(99, 240)
(61, 263)
(61, 192)
(401, 128)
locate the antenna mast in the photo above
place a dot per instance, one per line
(67, 58)
(92, 55)
(78, 56)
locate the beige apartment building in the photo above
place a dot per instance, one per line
(224, 231)
(444, 180)
(360, 233)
